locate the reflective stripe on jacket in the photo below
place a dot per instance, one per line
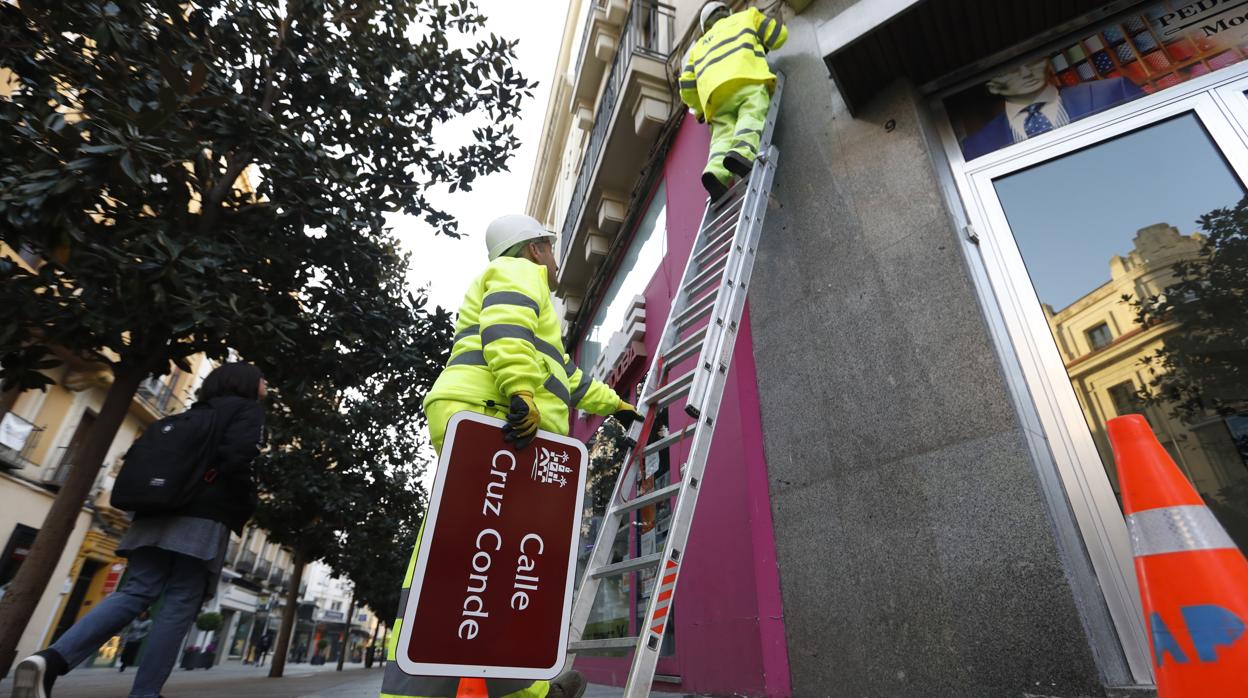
(507, 340)
(728, 56)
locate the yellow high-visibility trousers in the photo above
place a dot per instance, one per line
(396, 684)
(737, 127)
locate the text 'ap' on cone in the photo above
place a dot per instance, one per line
(1193, 578)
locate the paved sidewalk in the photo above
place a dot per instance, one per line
(236, 680)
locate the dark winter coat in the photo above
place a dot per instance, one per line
(238, 431)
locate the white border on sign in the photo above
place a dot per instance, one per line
(422, 560)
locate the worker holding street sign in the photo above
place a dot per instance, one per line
(507, 363)
(726, 81)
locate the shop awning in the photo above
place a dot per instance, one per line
(875, 42)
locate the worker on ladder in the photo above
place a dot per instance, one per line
(726, 81)
(507, 362)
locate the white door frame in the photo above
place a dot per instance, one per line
(1219, 103)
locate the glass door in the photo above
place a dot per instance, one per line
(1119, 257)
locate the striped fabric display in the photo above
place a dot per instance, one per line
(1135, 71)
(1198, 69)
(1126, 54)
(1113, 34)
(1136, 24)
(1085, 71)
(1075, 53)
(1093, 43)
(1168, 81)
(1059, 62)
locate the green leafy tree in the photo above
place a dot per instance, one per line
(1202, 367)
(199, 176)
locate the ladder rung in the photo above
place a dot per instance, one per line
(695, 312)
(667, 441)
(725, 213)
(645, 500)
(606, 643)
(685, 348)
(716, 247)
(706, 276)
(626, 566)
(672, 391)
(702, 256)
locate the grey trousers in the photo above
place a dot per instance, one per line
(151, 571)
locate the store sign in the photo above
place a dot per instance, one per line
(492, 587)
(333, 616)
(1144, 52)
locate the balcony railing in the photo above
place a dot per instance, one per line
(278, 577)
(18, 438)
(588, 28)
(159, 397)
(649, 30)
(246, 563)
(262, 569)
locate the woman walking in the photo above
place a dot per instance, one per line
(138, 630)
(178, 555)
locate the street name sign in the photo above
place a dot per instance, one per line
(492, 587)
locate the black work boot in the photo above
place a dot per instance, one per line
(738, 164)
(713, 186)
(569, 684)
(35, 674)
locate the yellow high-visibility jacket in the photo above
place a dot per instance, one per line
(730, 55)
(507, 340)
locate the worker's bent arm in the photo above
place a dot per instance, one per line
(689, 89)
(772, 33)
(595, 397)
(510, 306)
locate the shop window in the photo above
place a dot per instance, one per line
(637, 268)
(1167, 246)
(1145, 51)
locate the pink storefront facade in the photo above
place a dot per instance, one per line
(728, 623)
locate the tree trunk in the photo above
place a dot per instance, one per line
(35, 574)
(346, 632)
(288, 617)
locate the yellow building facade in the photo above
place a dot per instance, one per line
(1104, 348)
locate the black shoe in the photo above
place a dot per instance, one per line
(713, 186)
(35, 674)
(569, 684)
(737, 164)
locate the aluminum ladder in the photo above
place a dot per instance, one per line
(713, 288)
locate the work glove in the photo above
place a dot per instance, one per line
(522, 420)
(626, 414)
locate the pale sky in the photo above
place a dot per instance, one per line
(448, 265)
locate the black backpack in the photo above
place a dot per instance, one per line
(168, 464)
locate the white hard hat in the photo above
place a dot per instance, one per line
(505, 232)
(709, 9)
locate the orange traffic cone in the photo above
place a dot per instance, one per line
(1193, 578)
(472, 688)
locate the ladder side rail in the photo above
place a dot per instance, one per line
(723, 323)
(604, 543)
(645, 658)
(719, 356)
